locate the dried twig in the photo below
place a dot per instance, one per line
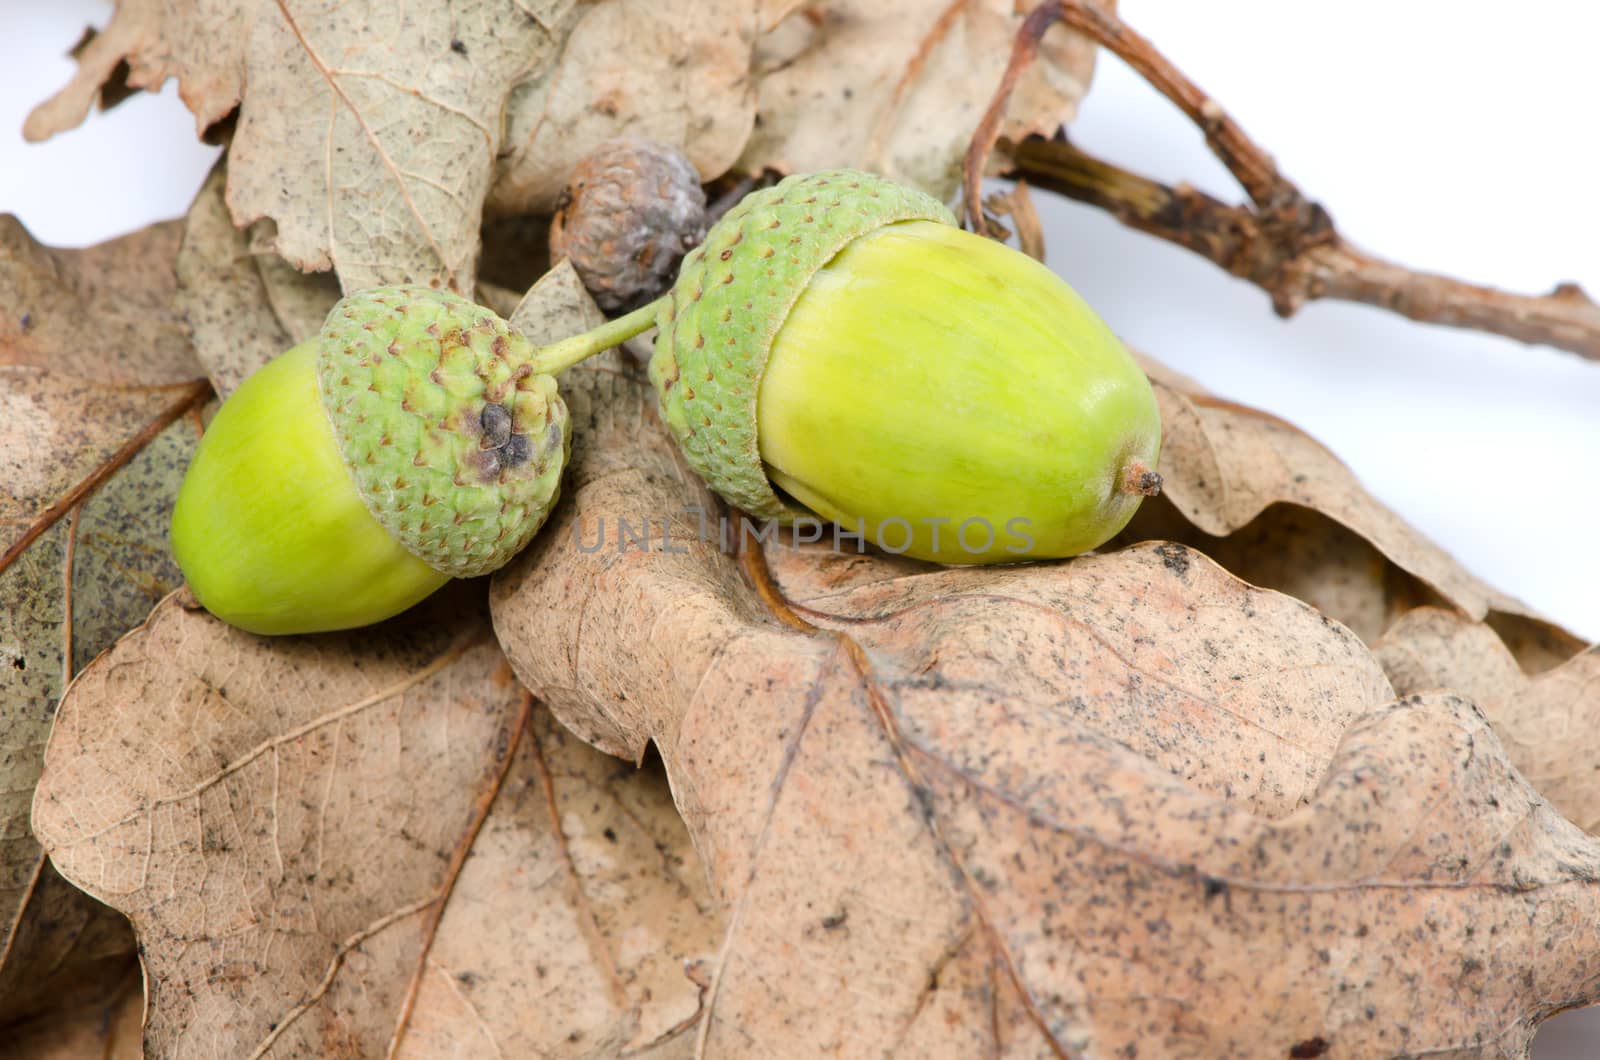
(1017, 204)
(190, 395)
(1283, 242)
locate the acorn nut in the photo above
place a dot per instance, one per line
(838, 345)
(411, 442)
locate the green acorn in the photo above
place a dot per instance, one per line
(410, 443)
(838, 338)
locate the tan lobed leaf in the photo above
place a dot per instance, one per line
(48, 295)
(367, 133)
(1549, 723)
(1300, 552)
(898, 86)
(293, 826)
(1135, 643)
(676, 71)
(276, 817)
(95, 368)
(1121, 802)
(1230, 468)
(575, 921)
(244, 304)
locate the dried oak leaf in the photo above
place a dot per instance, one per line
(1277, 508)
(336, 845)
(898, 86)
(674, 71)
(243, 303)
(1550, 723)
(367, 133)
(95, 374)
(1126, 801)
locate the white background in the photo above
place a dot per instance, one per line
(1453, 135)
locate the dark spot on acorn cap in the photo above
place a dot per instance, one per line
(516, 451)
(554, 435)
(496, 423)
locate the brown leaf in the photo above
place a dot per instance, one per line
(94, 370)
(570, 927)
(282, 820)
(1133, 641)
(1227, 466)
(276, 817)
(1123, 801)
(367, 135)
(244, 304)
(103, 313)
(63, 951)
(1550, 724)
(676, 71)
(1300, 552)
(898, 87)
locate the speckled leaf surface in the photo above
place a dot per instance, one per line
(96, 375)
(243, 303)
(898, 86)
(369, 136)
(367, 133)
(677, 71)
(1301, 552)
(365, 842)
(303, 862)
(1226, 463)
(1122, 801)
(1549, 722)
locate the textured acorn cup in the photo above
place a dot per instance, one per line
(410, 443)
(734, 293)
(839, 336)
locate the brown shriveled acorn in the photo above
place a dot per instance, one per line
(629, 213)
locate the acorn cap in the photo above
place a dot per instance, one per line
(455, 445)
(714, 333)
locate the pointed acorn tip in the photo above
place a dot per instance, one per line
(1139, 478)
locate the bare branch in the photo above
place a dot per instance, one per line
(1297, 263)
(1283, 242)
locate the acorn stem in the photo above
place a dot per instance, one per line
(1141, 479)
(559, 356)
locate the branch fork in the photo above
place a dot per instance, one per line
(1283, 241)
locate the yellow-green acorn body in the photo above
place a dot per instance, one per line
(409, 443)
(838, 338)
